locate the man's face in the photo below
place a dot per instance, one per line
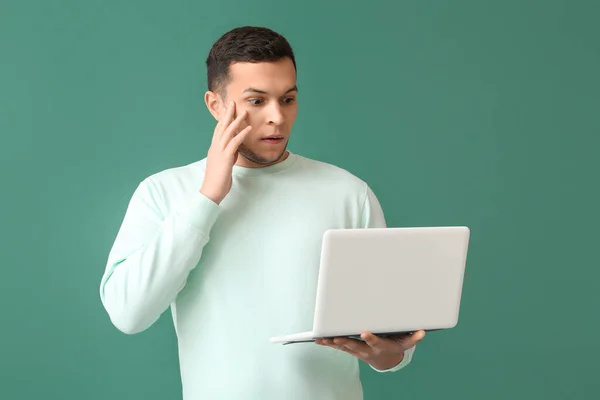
(267, 91)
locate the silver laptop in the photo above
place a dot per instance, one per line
(387, 281)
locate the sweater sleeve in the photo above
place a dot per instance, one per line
(152, 256)
(372, 214)
(373, 217)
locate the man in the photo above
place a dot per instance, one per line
(232, 242)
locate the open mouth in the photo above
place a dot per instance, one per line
(273, 140)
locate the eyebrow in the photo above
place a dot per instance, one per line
(253, 90)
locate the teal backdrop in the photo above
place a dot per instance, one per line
(482, 113)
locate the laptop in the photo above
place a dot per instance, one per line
(387, 281)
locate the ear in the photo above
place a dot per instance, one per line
(214, 104)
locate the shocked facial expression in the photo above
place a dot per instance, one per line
(267, 92)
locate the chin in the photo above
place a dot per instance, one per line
(263, 157)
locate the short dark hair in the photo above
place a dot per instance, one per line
(244, 44)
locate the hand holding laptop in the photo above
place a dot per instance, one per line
(380, 352)
(369, 280)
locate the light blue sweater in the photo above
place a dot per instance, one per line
(238, 273)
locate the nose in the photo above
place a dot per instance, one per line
(276, 115)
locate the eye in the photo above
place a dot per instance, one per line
(289, 100)
(255, 102)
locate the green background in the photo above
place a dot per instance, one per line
(483, 113)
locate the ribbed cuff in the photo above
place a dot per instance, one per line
(201, 212)
(405, 361)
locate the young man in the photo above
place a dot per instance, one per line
(231, 243)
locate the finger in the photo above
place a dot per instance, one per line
(226, 119)
(410, 340)
(234, 128)
(235, 143)
(416, 338)
(350, 343)
(324, 341)
(327, 343)
(372, 340)
(345, 349)
(392, 344)
(341, 347)
(354, 346)
(353, 353)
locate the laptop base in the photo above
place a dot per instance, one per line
(305, 339)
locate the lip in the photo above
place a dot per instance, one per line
(272, 139)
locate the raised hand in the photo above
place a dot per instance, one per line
(223, 153)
